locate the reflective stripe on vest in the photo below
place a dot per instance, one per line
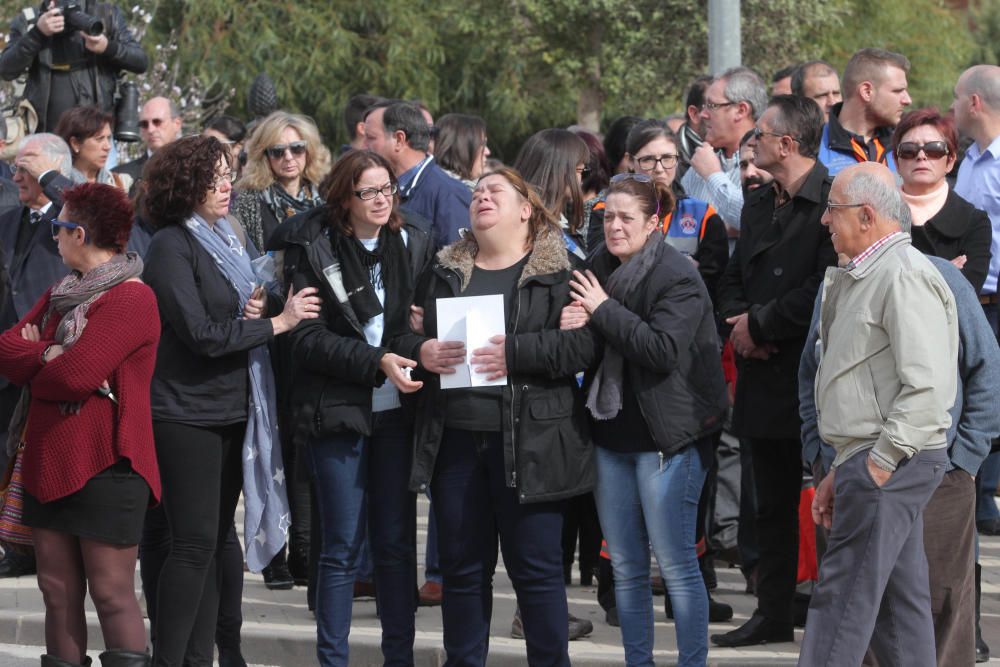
(685, 226)
(835, 161)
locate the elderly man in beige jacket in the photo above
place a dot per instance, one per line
(886, 379)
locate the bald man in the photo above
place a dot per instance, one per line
(977, 115)
(159, 124)
(888, 341)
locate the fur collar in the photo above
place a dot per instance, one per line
(547, 256)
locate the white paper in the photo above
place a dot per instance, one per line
(473, 320)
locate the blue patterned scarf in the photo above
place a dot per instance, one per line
(267, 515)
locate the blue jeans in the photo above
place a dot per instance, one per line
(355, 475)
(473, 505)
(644, 499)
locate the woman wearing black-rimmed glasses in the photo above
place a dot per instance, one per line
(345, 402)
(286, 160)
(945, 225)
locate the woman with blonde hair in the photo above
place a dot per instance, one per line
(286, 161)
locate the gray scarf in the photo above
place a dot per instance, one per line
(604, 398)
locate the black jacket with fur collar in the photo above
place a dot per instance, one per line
(548, 453)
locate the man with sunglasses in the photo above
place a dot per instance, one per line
(766, 296)
(875, 96)
(159, 124)
(31, 264)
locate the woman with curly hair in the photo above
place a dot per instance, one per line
(286, 161)
(87, 132)
(213, 398)
(85, 354)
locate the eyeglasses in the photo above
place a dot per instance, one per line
(934, 150)
(639, 178)
(367, 194)
(712, 106)
(222, 179)
(155, 122)
(277, 151)
(56, 224)
(584, 171)
(649, 162)
(830, 206)
(758, 133)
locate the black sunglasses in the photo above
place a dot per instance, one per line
(277, 151)
(56, 224)
(934, 150)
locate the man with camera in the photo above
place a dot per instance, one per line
(73, 52)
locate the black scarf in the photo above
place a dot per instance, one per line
(364, 270)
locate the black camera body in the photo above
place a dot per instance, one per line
(76, 18)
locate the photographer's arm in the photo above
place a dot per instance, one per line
(23, 46)
(122, 50)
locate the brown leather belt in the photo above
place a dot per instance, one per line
(988, 299)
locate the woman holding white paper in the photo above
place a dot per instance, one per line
(357, 251)
(499, 459)
(656, 399)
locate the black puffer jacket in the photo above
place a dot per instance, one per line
(335, 369)
(28, 50)
(665, 330)
(547, 448)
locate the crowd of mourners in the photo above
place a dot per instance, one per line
(761, 332)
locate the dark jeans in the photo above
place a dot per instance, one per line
(201, 473)
(355, 474)
(473, 505)
(153, 551)
(777, 470)
(989, 473)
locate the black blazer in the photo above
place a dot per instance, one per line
(201, 363)
(774, 274)
(959, 228)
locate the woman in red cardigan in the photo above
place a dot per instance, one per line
(85, 356)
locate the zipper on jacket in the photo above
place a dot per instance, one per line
(513, 430)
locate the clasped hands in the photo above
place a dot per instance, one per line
(743, 342)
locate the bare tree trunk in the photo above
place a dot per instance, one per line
(591, 99)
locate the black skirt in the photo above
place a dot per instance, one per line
(109, 508)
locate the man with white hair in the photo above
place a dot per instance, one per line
(32, 263)
(888, 340)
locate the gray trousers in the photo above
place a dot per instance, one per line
(873, 579)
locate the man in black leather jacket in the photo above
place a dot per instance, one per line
(67, 67)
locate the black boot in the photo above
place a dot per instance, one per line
(52, 661)
(117, 658)
(982, 650)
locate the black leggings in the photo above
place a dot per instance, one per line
(201, 473)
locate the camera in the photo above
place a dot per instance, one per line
(127, 112)
(76, 18)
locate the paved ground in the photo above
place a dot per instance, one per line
(279, 630)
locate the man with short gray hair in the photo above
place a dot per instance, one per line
(732, 104)
(888, 354)
(399, 132)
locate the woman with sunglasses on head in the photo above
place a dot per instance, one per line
(554, 161)
(657, 399)
(945, 225)
(286, 160)
(87, 132)
(85, 354)
(501, 459)
(213, 396)
(345, 404)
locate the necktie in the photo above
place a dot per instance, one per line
(35, 216)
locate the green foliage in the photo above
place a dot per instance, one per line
(984, 20)
(928, 32)
(525, 64)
